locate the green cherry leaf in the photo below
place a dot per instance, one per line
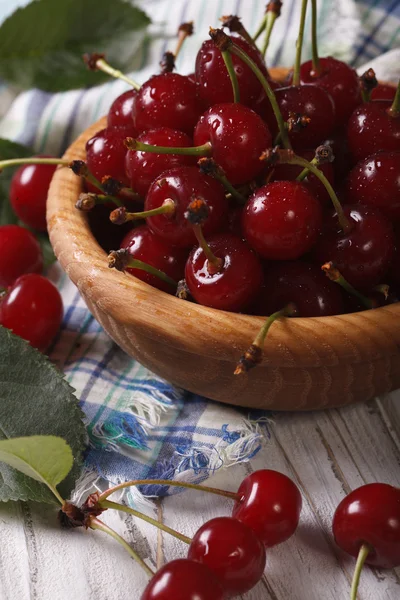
(45, 458)
(41, 44)
(35, 400)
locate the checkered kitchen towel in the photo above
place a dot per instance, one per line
(139, 425)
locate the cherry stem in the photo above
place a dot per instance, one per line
(168, 207)
(227, 56)
(298, 160)
(167, 482)
(15, 162)
(306, 171)
(140, 515)
(185, 30)
(215, 264)
(270, 19)
(229, 188)
(299, 44)
(261, 27)
(365, 549)
(268, 90)
(103, 65)
(335, 275)
(97, 524)
(394, 110)
(314, 39)
(134, 263)
(204, 150)
(287, 311)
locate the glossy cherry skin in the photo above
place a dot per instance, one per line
(282, 220)
(143, 167)
(371, 129)
(370, 514)
(383, 92)
(28, 193)
(215, 86)
(232, 551)
(364, 254)
(375, 182)
(310, 101)
(184, 579)
(182, 185)
(285, 172)
(270, 504)
(147, 247)
(32, 309)
(339, 80)
(105, 154)
(20, 253)
(167, 100)
(120, 113)
(304, 284)
(236, 285)
(238, 137)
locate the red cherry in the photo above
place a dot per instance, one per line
(362, 255)
(310, 101)
(28, 193)
(370, 515)
(302, 284)
(235, 286)
(343, 159)
(182, 185)
(372, 129)
(282, 220)
(263, 108)
(383, 92)
(270, 504)
(287, 172)
(120, 113)
(232, 551)
(167, 100)
(20, 253)
(105, 154)
(235, 217)
(32, 309)
(339, 80)
(145, 246)
(184, 579)
(143, 167)
(375, 182)
(215, 86)
(238, 137)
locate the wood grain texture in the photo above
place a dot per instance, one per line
(308, 363)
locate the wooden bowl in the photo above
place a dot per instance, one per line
(308, 363)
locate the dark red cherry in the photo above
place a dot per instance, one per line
(311, 101)
(238, 137)
(383, 92)
(215, 86)
(32, 309)
(145, 246)
(143, 167)
(184, 579)
(236, 285)
(270, 504)
(105, 154)
(371, 129)
(232, 551)
(182, 185)
(339, 80)
(364, 254)
(120, 113)
(235, 217)
(303, 284)
(375, 182)
(263, 107)
(370, 515)
(343, 160)
(167, 100)
(28, 193)
(20, 253)
(286, 172)
(282, 220)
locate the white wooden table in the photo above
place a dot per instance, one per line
(326, 453)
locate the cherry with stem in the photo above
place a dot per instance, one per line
(122, 260)
(97, 62)
(335, 275)
(253, 355)
(208, 166)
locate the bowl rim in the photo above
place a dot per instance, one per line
(191, 327)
